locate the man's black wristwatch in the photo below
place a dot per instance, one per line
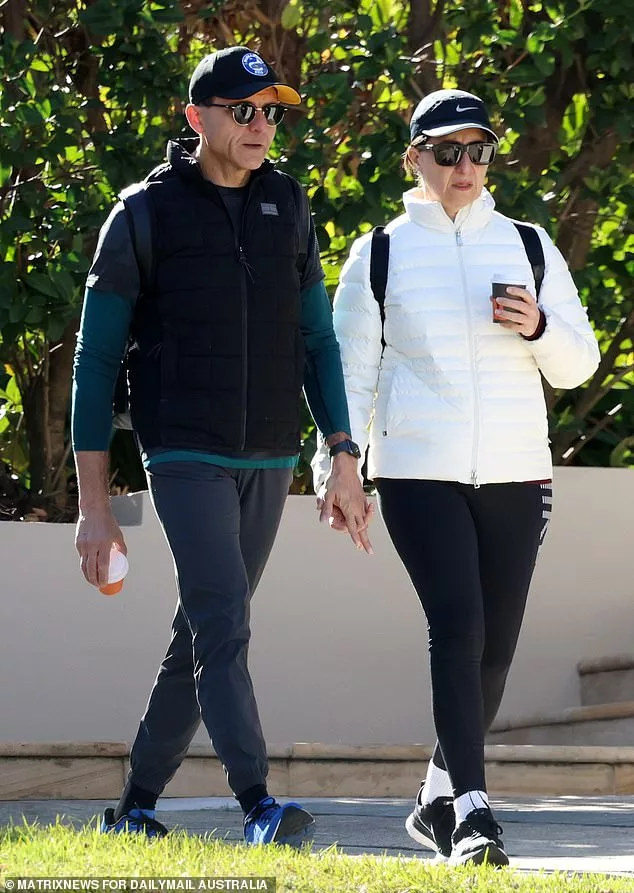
(345, 446)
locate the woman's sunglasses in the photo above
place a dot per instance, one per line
(245, 112)
(449, 154)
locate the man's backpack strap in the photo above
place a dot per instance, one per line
(302, 209)
(136, 203)
(379, 265)
(138, 210)
(534, 251)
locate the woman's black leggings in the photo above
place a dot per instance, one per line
(470, 553)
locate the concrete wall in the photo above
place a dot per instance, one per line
(339, 651)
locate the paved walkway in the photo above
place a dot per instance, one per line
(588, 834)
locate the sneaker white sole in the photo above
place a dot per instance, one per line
(485, 855)
(419, 837)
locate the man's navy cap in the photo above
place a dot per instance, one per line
(235, 73)
(446, 111)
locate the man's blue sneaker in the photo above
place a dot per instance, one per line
(270, 822)
(137, 821)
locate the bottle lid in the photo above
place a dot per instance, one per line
(117, 570)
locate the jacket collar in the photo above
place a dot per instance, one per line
(432, 214)
(181, 156)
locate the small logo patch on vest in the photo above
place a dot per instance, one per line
(269, 208)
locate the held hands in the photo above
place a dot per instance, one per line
(518, 312)
(96, 532)
(343, 503)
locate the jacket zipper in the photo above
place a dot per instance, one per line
(476, 394)
(387, 405)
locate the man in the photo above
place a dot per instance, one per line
(235, 320)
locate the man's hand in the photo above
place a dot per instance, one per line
(97, 529)
(96, 532)
(343, 503)
(519, 312)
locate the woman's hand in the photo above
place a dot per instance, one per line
(342, 502)
(519, 312)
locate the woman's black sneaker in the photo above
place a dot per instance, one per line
(478, 841)
(432, 824)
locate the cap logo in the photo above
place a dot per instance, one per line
(467, 108)
(254, 65)
(434, 106)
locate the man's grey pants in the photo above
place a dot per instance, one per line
(220, 524)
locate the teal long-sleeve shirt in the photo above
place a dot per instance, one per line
(101, 344)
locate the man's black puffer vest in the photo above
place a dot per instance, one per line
(218, 357)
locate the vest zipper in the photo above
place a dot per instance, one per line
(476, 393)
(246, 272)
(245, 345)
(244, 266)
(242, 260)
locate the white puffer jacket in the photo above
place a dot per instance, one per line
(456, 396)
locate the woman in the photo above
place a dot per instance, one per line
(458, 436)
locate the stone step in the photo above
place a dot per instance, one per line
(96, 770)
(607, 680)
(609, 725)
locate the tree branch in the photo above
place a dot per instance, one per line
(596, 390)
(585, 439)
(13, 15)
(595, 152)
(46, 418)
(423, 28)
(21, 377)
(577, 226)
(591, 395)
(538, 143)
(574, 237)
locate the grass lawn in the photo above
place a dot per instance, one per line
(34, 851)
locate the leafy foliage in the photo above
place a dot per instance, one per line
(92, 91)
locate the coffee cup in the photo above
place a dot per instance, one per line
(499, 286)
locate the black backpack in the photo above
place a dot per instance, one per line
(380, 261)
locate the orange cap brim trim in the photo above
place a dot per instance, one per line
(287, 95)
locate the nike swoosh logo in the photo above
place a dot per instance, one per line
(467, 108)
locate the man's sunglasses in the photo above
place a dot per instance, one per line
(450, 154)
(245, 112)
